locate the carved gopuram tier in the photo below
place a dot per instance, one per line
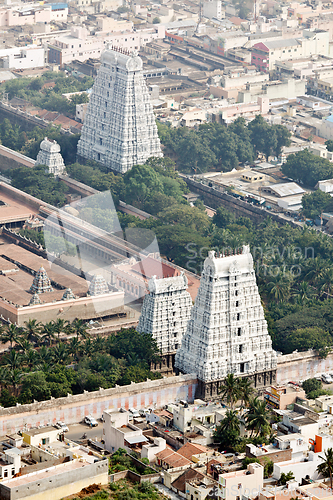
(165, 313)
(119, 128)
(227, 332)
(49, 155)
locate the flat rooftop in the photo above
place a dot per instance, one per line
(14, 287)
(50, 472)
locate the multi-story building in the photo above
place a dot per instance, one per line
(233, 485)
(227, 332)
(78, 45)
(213, 9)
(32, 13)
(266, 54)
(23, 57)
(119, 128)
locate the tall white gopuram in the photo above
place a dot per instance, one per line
(49, 155)
(165, 313)
(227, 332)
(119, 128)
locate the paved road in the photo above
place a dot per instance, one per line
(76, 432)
(168, 493)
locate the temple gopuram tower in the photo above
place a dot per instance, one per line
(227, 332)
(49, 155)
(165, 313)
(119, 128)
(41, 282)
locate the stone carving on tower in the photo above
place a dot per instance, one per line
(41, 282)
(165, 313)
(49, 155)
(227, 331)
(119, 128)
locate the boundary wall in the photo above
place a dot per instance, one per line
(301, 366)
(73, 409)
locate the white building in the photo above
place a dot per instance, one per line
(23, 57)
(165, 313)
(119, 128)
(118, 432)
(227, 332)
(49, 155)
(234, 485)
(212, 9)
(149, 450)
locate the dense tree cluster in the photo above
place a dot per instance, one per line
(58, 358)
(314, 204)
(39, 183)
(306, 168)
(218, 147)
(46, 91)
(28, 143)
(314, 388)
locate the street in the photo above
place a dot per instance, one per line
(76, 432)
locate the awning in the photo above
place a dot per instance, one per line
(136, 439)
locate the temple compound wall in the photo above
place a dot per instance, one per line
(73, 409)
(301, 366)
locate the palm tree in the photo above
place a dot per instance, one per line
(246, 390)
(74, 348)
(14, 378)
(257, 418)
(279, 289)
(59, 326)
(12, 359)
(45, 355)
(60, 354)
(31, 358)
(230, 423)
(326, 467)
(80, 328)
(11, 334)
(303, 292)
(326, 282)
(32, 330)
(229, 389)
(3, 377)
(48, 332)
(24, 345)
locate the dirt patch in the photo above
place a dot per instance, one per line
(93, 488)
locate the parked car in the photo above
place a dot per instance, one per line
(63, 427)
(134, 412)
(326, 378)
(89, 420)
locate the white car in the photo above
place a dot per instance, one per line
(89, 420)
(63, 427)
(326, 378)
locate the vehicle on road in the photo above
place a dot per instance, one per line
(89, 420)
(62, 426)
(326, 378)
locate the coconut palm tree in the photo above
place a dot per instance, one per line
(257, 418)
(59, 326)
(24, 345)
(246, 390)
(48, 332)
(74, 348)
(230, 422)
(32, 330)
(326, 282)
(12, 334)
(60, 353)
(303, 292)
(326, 467)
(4, 377)
(14, 378)
(229, 390)
(31, 359)
(12, 360)
(279, 289)
(80, 328)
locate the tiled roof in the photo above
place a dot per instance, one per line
(172, 458)
(189, 449)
